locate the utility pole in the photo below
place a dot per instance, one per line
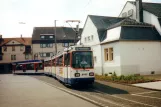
(55, 39)
(77, 29)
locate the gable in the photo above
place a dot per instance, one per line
(13, 42)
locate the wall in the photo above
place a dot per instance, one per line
(37, 49)
(140, 57)
(88, 30)
(112, 66)
(20, 56)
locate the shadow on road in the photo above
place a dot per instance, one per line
(98, 88)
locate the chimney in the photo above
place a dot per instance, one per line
(21, 35)
(139, 11)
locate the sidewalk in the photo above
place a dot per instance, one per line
(150, 85)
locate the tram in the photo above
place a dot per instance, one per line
(73, 66)
(28, 67)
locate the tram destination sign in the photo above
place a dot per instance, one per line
(83, 48)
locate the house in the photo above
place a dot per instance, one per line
(43, 40)
(122, 45)
(143, 12)
(12, 50)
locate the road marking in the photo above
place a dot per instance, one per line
(146, 92)
(146, 96)
(75, 94)
(126, 99)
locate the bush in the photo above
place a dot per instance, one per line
(130, 79)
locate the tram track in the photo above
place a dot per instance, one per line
(99, 97)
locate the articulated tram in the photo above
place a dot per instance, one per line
(28, 67)
(73, 66)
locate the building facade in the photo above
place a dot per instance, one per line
(43, 40)
(14, 49)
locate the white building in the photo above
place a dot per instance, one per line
(122, 45)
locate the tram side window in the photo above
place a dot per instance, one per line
(30, 66)
(53, 62)
(18, 67)
(67, 59)
(40, 66)
(60, 61)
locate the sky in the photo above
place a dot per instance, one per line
(21, 16)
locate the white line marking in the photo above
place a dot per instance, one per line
(146, 92)
(126, 99)
(147, 96)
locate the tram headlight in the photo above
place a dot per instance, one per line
(77, 74)
(91, 74)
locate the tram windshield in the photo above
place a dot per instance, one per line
(82, 59)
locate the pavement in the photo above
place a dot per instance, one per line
(150, 85)
(25, 91)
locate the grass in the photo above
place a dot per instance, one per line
(130, 79)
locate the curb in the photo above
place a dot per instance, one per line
(76, 95)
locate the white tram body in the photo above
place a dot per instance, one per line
(73, 66)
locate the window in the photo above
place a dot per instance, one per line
(91, 37)
(42, 37)
(36, 56)
(26, 56)
(124, 14)
(50, 45)
(47, 54)
(71, 44)
(95, 59)
(51, 37)
(60, 61)
(85, 39)
(13, 57)
(5, 48)
(21, 48)
(44, 54)
(130, 12)
(13, 48)
(108, 54)
(88, 38)
(65, 44)
(67, 59)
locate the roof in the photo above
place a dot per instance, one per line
(60, 33)
(154, 8)
(104, 23)
(139, 33)
(24, 41)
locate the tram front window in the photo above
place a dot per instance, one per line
(82, 60)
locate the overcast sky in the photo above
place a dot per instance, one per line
(36, 13)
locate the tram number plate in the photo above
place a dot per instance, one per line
(84, 74)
